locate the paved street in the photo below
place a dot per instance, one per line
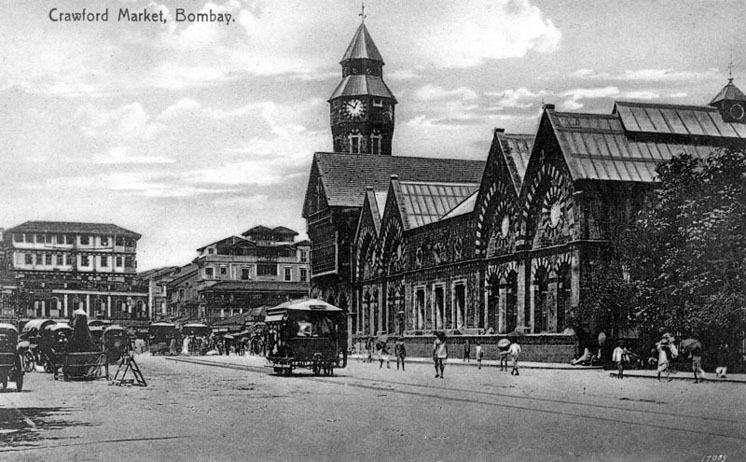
(239, 411)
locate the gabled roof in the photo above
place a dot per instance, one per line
(230, 239)
(362, 46)
(345, 176)
(69, 227)
(673, 119)
(279, 230)
(361, 85)
(257, 229)
(729, 92)
(516, 149)
(426, 202)
(374, 208)
(610, 147)
(284, 231)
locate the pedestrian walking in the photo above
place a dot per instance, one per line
(369, 350)
(618, 357)
(514, 351)
(383, 354)
(663, 365)
(503, 345)
(440, 354)
(400, 351)
(467, 350)
(480, 354)
(722, 361)
(696, 355)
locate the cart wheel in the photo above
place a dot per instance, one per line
(19, 382)
(28, 362)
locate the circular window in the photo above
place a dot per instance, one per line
(505, 227)
(555, 214)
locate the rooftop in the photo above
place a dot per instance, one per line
(69, 227)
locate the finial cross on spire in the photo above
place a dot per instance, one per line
(730, 69)
(362, 13)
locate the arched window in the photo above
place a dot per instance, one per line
(511, 302)
(564, 291)
(120, 306)
(140, 306)
(540, 301)
(54, 306)
(98, 307)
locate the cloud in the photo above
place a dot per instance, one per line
(120, 155)
(516, 99)
(650, 75)
(125, 122)
(431, 92)
(487, 29)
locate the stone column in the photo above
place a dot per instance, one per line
(108, 306)
(66, 310)
(88, 305)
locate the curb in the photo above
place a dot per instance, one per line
(491, 363)
(690, 379)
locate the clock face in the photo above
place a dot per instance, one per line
(737, 111)
(355, 108)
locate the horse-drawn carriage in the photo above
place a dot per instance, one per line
(116, 343)
(160, 335)
(11, 369)
(306, 333)
(198, 335)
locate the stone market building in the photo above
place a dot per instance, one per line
(411, 245)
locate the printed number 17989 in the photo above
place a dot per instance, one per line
(715, 458)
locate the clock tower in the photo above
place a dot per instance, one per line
(362, 106)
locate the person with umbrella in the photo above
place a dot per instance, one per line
(440, 353)
(694, 348)
(503, 354)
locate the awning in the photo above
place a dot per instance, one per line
(274, 318)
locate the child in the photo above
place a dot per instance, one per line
(618, 357)
(480, 354)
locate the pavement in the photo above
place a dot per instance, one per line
(635, 373)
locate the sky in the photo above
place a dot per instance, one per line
(190, 132)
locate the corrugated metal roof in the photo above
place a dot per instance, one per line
(517, 151)
(672, 119)
(362, 46)
(362, 85)
(345, 176)
(466, 206)
(427, 202)
(69, 227)
(259, 286)
(597, 147)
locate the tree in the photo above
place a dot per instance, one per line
(687, 249)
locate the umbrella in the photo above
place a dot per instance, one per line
(382, 338)
(503, 343)
(228, 336)
(690, 344)
(516, 333)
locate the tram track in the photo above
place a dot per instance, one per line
(574, 409)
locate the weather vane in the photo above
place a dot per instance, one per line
(362, 13)
(730, 69)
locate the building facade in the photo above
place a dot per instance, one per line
(59, 267)
(416, 244)
(263, 266)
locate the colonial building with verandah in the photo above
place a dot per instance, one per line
(497, 247)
